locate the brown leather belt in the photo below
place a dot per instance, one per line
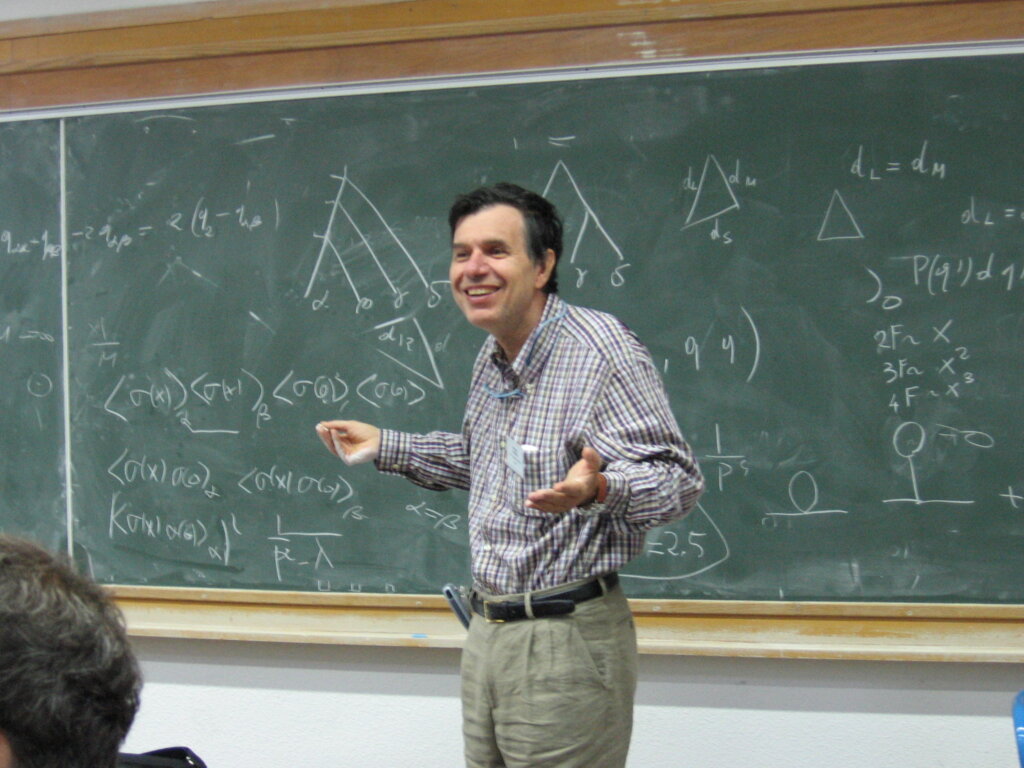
(557, 603)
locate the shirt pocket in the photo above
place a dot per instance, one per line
(543, 466)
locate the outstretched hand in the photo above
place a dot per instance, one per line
(577, 489)
(351, 441)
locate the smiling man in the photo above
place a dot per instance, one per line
(570, 454)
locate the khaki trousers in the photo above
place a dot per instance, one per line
(558, 691)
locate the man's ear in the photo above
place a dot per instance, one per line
(6, 754)
(549, 266)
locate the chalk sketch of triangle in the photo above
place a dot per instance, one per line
(417, 362)
(590, 217)
(714, 195)
(839, 223)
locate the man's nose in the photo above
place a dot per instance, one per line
(476, 264)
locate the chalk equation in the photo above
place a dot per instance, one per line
(187, 534)
(940, 274)
(723, 463)
(302, 549)
(683, 550)
(40, 246)
(204, 220)
(988, 214)
(926, 363)
(874, 165)
(127, 470)
(212, 405)
(732, 342)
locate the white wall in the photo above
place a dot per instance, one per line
(255, 705)
(30, 9)
(242, 705)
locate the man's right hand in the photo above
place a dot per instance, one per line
(351, 441)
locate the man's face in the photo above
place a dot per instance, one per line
(494, 281)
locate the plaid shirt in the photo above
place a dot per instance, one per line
(582, 378)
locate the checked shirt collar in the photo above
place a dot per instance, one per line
(519, 375)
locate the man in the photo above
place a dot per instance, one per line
(570, 454)
(69, 684)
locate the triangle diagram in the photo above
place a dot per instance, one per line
(360, 242)
(563, 189)
(403, 341)
(714, 196)
(839, 223)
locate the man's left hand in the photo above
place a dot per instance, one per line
(577, 489)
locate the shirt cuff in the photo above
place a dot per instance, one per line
(616, 497)
(394, 452)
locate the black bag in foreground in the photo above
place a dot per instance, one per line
(170, 757)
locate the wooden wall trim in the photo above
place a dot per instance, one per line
(217, 29)
(840, 26)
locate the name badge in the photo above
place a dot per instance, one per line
(515, 458)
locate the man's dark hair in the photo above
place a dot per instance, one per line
(541, 219)
(69, 683)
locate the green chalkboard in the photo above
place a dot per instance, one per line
(825, 260)
(32, 500)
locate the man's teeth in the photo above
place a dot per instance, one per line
(479, 291)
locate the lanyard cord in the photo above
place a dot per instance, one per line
(517, 392)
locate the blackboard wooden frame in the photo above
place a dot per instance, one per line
(227, 46)
(850, 631)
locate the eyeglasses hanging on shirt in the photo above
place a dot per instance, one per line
(517, 392)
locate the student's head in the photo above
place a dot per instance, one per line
(543, 225)
(69, 683)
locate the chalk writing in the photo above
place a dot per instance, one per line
(908, 441)
(687, 549)
(34, 246)
(926, 363)
(563, 187)
(714, 196)
(921, 164)
(439, 519)
(353, 214)
(724, 462)
(720, 344)
(291, 483)
(302, 550)
(203, 221)
(191, 533)
(127, 470)
(991, 215)
(939, 274)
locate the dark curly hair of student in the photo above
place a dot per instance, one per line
(541, 219)
(69, 682)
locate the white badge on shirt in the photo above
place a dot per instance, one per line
(514, 457)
